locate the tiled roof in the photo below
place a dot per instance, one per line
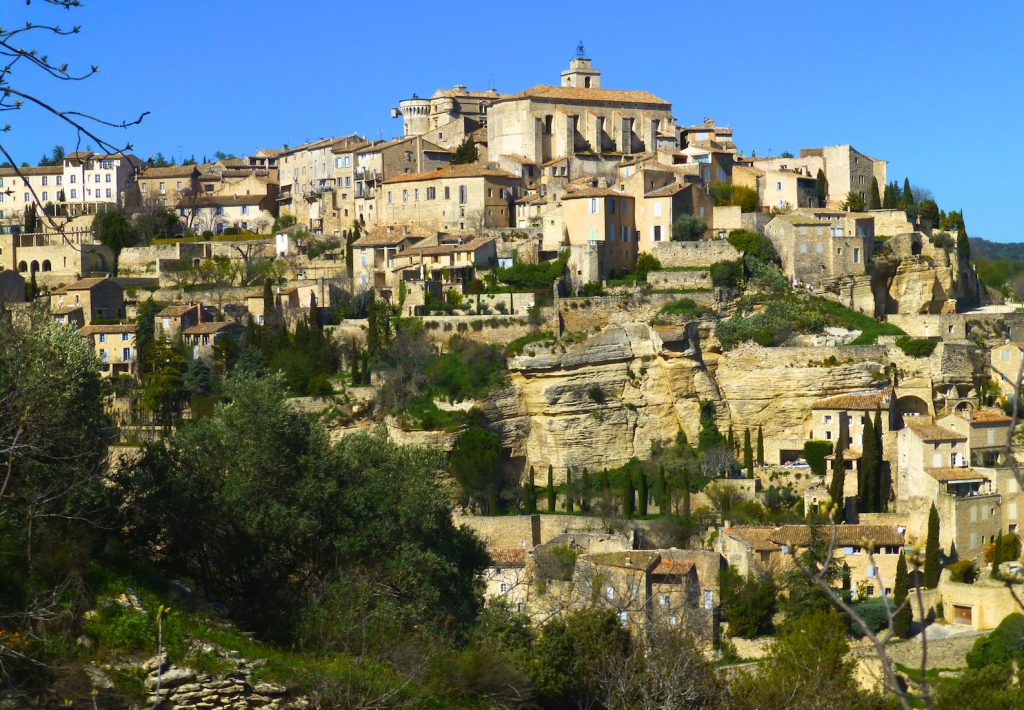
(763, 538)
(86, 284)
(469, 246)
(65, 310)
(668, 190)
(860, 401)
(215, 200)
(574, 93)
(756, 538)
(642, 560)
(673, 567)
(211, 327)
(38, 170)
(985, 416)
(927, 431)
(592, 192)
(799, 220)
(112, 328)
(468, 170)
(170, 171)
(384, 236)
(176, 311)
(507, 556)
(521, 159)
(945, 475)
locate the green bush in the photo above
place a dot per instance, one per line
(815, 453)
(688, 228)
(874, 613)
(516, 346)
(534, 277)
(916, 347)
(684, 307)
(1005, 644)
(555, 561)
(963, 571)
(726, 274)
(745, 198)
(748, 604)
(753, 244)
(645, 263)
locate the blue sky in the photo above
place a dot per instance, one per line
(933, 87)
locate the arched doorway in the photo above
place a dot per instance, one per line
(34, 267)
(22, 266)
(46, 265)
(911, 406)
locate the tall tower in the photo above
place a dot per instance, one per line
(580, 74)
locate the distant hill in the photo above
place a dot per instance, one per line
(993, 251)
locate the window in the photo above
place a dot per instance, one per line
(245, 209)
(819, 248)
(102, 337)
(44, 180)
(463, 194)
(778, 186)
(828, 418)
(611, 206)
(74, 178)
(106, 164)
(74, 193)
(97, 178)
(625, 233)
(108, 193)
(828, 436)
(656, 233)
(803, 248)
(416, 195)
(663, 600)
(389, 197)
(46, 195)
(161, 186)
(609, 592)
(348, 182)
(489, 191)
(504, 588)
(623, 618)
(821, 231)
(108, 180)
(447, 193)
(594, 206)
(408, 156)
(405, 195)
(431, 193)
(28, 196)
(611, 232)
(656, 209)
(126, 354)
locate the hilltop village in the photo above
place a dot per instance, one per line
(654, 375)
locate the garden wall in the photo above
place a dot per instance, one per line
(679, 279)
(703, 253)
(585, 314)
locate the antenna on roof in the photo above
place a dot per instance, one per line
(580, 52)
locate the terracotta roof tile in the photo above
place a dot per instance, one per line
(927, 431)
(507, 556)
(112, 328)
(859, 401)
(985, 416)
(945, 475)
(468, 170)
(211, 327)
(573, 93)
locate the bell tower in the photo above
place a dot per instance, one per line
(580, 74)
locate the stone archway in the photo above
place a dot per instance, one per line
(34, 267)
(46, 265)
(911, 406)
(22, 266)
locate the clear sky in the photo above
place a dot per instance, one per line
(935, 87)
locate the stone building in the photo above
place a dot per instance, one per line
(91, 178)
(447, 117)
(448, 263)
(588, 127)
(661, 196)
(815, 250)
(202, 338)
(177, 318)
(752, 549)
(828, 414)
(1005, 362)
(466, 197)
(778, 189)
(373, 254)
(706, 131)
(167, 186)
(100, 298)
(387, 159)
(845, 168)
(505, 578)
(599, 215)
(306, 175)
(114, 346)
(35, 186)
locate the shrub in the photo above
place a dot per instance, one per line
(916, 347)
(555, 561)
(596, 394)
(962, 571)
(645, 263)
(753, 244)
(874, 613)
(745, 198)
(688, 228)
(726, 274)
(533, 277)
(516, 346)
(1010, 545)
(748, 604)
(684, 307)
(815, 453)
(1004, 644)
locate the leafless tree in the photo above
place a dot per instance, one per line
(16, 54)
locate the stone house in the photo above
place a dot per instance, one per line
(203, 337)
(657, 211)
(217, 212)
(114, 346)
(778, 189)
(35, 186)
(505, 578)
(167, 186)
(1005, 362)
(587, 126)
(70, 315)
(12, 286)
(373, 254)
(753, 549)
(447, 263)
(987, 432)
(306, 174)
(600, 215)
(829, 413)
(55, 258)
(706, 131)
(91, 178)
(845, 168)
(101, 298)
(814, 250)
(387, 159)
(178, 318)
(466, 197)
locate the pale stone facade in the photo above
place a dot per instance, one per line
(601, 215)
(778, 189)
(845, 168)
(99, 298)
(814, 250)
(114, 346)
(447, 117)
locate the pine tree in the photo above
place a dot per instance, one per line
(874, 200)
(467, 152)
(932, 563)
(908, 194)
(643, 493)
(585, 492)
(748, 454)
(760, 446)
(997, 555)
(835, 490)
(901, 590)
(551, 488)
(628, 497)
(822, 188)
(867, 479)
(531, 494)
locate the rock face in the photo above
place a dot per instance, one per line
(598, 403)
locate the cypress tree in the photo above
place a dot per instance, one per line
(890, 196)
(551, 488)
(531, 494)
(874, 200)
(997, 555)
(932, 563)
(268, 302)
(568, 491)
(822, 188)
(585, 492)
(643, 493)
(748, 454)
(866, 494)
(627, 497)
(732, 440)
(844, 578)
(492, 499)
(882, 487)
(662, 492)
(760, 446)
(835, 490)
(908, 194)
(901, 590)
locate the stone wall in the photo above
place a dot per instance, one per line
(703, 253)
(181, 687)
(585, 314)
(679, 279)
(495, 330)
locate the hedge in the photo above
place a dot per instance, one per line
(916, 347)
(815, 453)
